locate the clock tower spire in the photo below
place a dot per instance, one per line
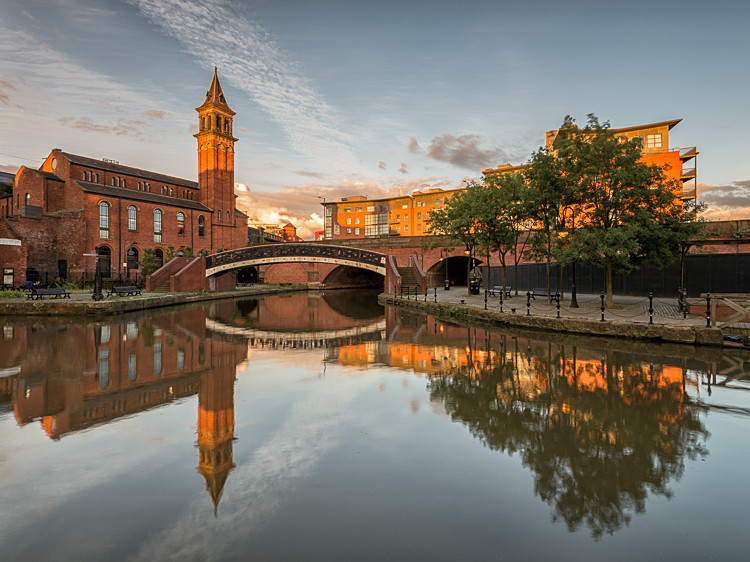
(216, 164)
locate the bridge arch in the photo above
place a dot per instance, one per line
(266, 254)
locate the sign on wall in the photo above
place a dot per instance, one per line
(9, 242)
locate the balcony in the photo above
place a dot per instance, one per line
(688, 194)
(687, 153)
(687, 174)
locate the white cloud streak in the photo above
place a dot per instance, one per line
(217, 33)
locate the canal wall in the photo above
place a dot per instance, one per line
(671, 333)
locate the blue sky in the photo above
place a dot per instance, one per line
(337, 98)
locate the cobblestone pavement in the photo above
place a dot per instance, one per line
(626, 308)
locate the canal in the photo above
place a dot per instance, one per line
(323, 426)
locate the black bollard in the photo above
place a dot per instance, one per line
(485, 298)
(557, 298)
(435, 294)
(708, 310)
(528, 303)
(602, 296)
(502, 290)
(425, 294)
(651, 308)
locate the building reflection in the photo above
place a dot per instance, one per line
(599, 427)
(74, 377)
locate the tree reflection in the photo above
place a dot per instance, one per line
(598, 434)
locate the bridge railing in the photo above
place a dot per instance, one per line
(392, 276)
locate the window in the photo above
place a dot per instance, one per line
(27, 199)
(406, 216)
(132, 218)
(157, 358)
(181, 223)
(356, 231)
(157, 225)
(228, 221)
(201, 226)
(104, 220)
(406, 228)
(404, 206)
(356, 221)
(371, 209)
(653, 141)
(219, 213)
(358, 210)
(438, 201)
(419, 215)
(132, 366)
(348, 220)
(419, 227)
(347, 210)
(348, 230)
(103, 368)
(420, 203)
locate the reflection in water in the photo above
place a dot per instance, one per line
(599, 428)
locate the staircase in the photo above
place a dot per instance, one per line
(409, 284)
(163, 288)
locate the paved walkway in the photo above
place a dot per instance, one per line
(625, 309)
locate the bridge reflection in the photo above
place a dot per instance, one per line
(598, 427)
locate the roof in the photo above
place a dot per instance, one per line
(49, 175)
(125, 193)
(215, 96)
(127, 170)
(670, 124)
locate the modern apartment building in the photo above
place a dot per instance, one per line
(403, 215)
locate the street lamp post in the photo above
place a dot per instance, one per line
(97, 296)
(445, 260)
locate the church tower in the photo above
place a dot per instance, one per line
(216, 164)
(216, 421)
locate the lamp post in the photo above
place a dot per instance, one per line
(445, 259)
(128, 253)
(97, 296)
(325, 217)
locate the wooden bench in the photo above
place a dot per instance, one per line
(58, 293)
(495, 291)
(539, 292)
(129, 291)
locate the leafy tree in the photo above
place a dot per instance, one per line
(627, 212)
(169, 254)
(456, 219)
(148, 264)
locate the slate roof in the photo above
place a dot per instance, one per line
(125, 193)
(127, 170)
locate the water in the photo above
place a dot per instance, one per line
(325, 427)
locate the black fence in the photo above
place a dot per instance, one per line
(82, 279)
(704, 273)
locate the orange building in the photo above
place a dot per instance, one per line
(656, 151)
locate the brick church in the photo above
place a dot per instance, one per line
(60, 217)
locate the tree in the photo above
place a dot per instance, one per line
(457, 219)
(148, 264)
(506, 211)
(628, 213)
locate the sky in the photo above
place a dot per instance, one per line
(342, 97)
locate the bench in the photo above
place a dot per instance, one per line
(495, 291)
(129, 291)
(539, 292)
(58, 293)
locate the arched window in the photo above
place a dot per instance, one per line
(218, 122)
(104, 220)
(27, 199)
(159, 255)
(219, 215)
(132, 218)
(201, 226)
(228, 217)
(157, 225)
(181, 223)
(203, 123)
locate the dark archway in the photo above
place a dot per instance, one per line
(104, 261)
(159, 255)
(247, 275)
(347, 276)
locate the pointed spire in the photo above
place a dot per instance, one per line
(215, 95)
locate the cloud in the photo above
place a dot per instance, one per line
(381, 165)
(404, 169)
(126, 127)
(156, 114)
(310, 174)
(726, 202)
(464, 151)
(217, 33)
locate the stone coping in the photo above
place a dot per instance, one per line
(671, 333)
(81, 304)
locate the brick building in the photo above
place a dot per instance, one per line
(74, 205)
